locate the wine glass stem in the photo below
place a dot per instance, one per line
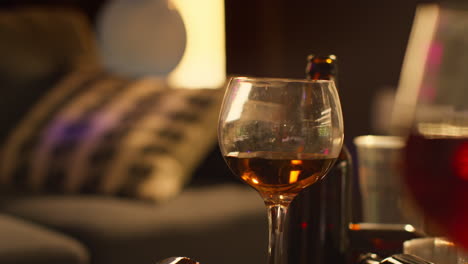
(276, 217)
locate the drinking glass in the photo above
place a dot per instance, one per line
(280, 136)
(431, 110)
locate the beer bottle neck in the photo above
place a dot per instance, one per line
(321, 67)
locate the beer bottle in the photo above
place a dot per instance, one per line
(320, 214)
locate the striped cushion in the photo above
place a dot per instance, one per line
(99, 133)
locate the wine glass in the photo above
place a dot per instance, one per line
(435, 167)
(280, 136)
(431, 111)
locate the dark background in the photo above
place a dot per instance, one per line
(272, 38)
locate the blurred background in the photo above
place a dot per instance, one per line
(102, 66)
(273, 38)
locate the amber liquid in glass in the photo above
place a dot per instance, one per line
(279, 172)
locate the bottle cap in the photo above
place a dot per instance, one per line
(321, 67)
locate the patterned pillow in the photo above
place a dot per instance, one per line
(99, 133)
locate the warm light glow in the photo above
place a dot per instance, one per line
(249, 177)
(328, 60)
(296, 162)
(294, 175)
(354, 227)
(443, 242)
(409, 228)
(203, 64)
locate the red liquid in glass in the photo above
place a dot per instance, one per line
(436, 170)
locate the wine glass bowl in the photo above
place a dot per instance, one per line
(280, 136)
(431, 111)
(436, 173)
(279, 176)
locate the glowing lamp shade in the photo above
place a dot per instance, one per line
(203, 63)
(183, 40)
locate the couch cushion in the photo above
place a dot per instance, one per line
(97, 132)
(25, 242)
(38, 46)
(218, 224)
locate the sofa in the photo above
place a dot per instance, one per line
(99, 168)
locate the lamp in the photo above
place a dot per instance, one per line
(203, 64)
(183, 40)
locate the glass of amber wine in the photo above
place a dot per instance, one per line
(280, 136)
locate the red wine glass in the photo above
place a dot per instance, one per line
(431, 110)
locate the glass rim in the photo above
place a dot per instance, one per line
(274, 79)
